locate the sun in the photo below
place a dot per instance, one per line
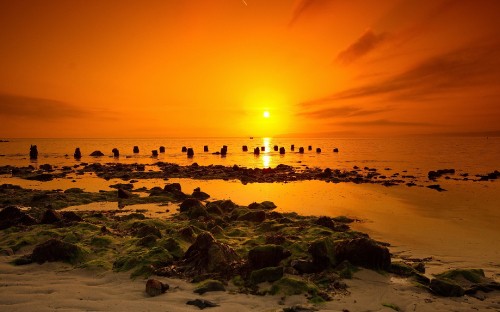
(266, 114)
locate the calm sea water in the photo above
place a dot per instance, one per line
(417, 155)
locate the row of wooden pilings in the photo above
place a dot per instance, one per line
(189, 151)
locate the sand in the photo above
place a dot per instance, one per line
(60, 287)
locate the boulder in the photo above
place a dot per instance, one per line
(13, 216)
(457, 282)
(270, 274)
(56, 250)
(198, 194)
(266, 256)
(97, 154)
(51, 216)
(446, 288)
(190, 203)
(209, 285)
(331, 224)
(363, 252)
(206, 255)
(142, 230)
(253, 216)
(123, 194)
(155, 288)
(323, 253)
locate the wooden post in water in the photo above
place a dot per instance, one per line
(310, 148)
(190, 152)
(33, 152)
(184, 149)
(244, 148)
(136, 149)
(335, 150)
(301, 150)
(276, 148)
(282, 150)
(154, 153)
(263, 148)
(256, 151)
(318, 150)
(292, 148)
(205, 148)
(116, 152)
(223, 150)
(162, 149)
(77, 154)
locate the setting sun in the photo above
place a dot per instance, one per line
(266, 114)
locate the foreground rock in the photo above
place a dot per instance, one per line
(202, 303)
(456, 283)
(266, 256)
(56, 250)
(13, 216)
(155, 288)
(363, 252)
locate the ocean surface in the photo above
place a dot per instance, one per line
(476, 155)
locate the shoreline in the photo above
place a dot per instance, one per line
(259, 217)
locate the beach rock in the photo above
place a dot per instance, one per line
(318, 150)
(292, 147)
(198, 194)
(457, 282)
(142, 230)
(214, 208)
(155, 288)
(436, 187)
(123, 194)
(97, 154)
(304, 266)
(332, 225)
(432, 175)
(43, 177)
(253, 216)
(147, 241)
(51, 217)
(6, 252)
(205, 148)
(33, 152)
(206, 255)
(209, 285)
(323, 253)
(71, 216)
(300, 308)
(266, 256)
(202, 303)
(270, 274)
(46, 167)
(363, 252)
(78, 154)
(190, 203)
(13, 216)
(56, 250)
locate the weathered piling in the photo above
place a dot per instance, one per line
(162, 149)
(190, 152)
(77, 154)
(33, 152)
(292, 148)
(310, 148)
(116, 152)
(136, 149)
(205, 148)
(335, 150)
(154, 153)
(184, 149)
(276, 148)
(282, 150)
(318, 150)
(301, 150)
(263, 148)
(244, 148)
(223, 150)
(256, 151)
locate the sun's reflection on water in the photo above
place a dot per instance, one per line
(266, 159)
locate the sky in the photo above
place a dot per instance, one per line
(234, 68)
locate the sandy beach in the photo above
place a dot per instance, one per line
(59, 287)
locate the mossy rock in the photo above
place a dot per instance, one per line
(57, 250)
(464, 275)
(209, 285)
(289, 286)
(446, 288)
(267, 256)
(173, 247)
(323, 252)
(270, 274)
(101, 241)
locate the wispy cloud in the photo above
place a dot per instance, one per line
(466, 67)
(302, 6)
(386, 123)
(368, 42)
(32, 107)
(342, 111)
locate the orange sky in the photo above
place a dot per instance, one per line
(212, 67)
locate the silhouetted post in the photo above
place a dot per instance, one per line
(224, 147)
(335, 150)
(190, 152)
(263, 148)
(205, 148)
(256, 151)
(162, 149)
(292, 147)
(318, 150)
(245, 148)
(223, 150)
(184, 149)
(301, 150)
(77, 154)
(116, 152)
(33, 152)
(276, 148)
(282, 150)
(154, 153)
(136, 149)
(310, 148)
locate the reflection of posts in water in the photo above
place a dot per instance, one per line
(33, 152)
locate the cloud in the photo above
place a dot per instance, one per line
(386, 123)
(368, 42)
(32, 107)
(342, 111)
(466, 67)
(302, 6)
